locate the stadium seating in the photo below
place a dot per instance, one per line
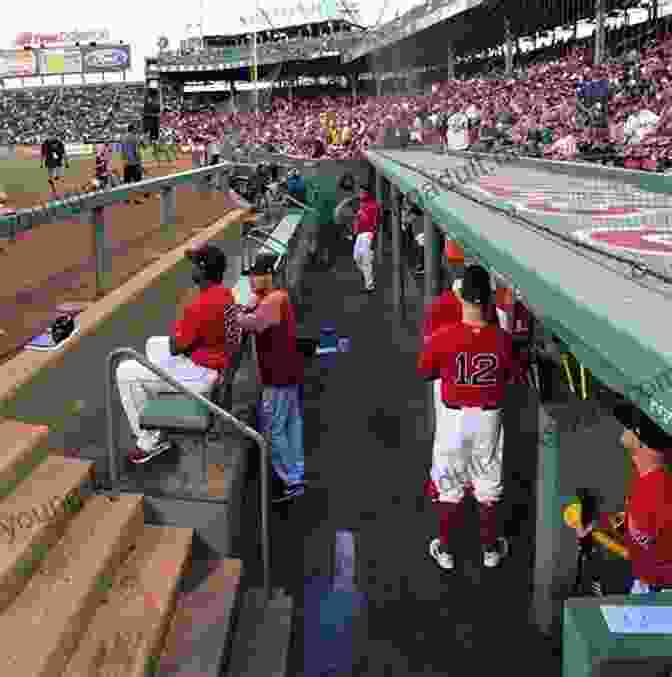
(540, 102)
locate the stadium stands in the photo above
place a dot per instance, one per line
(534, 113)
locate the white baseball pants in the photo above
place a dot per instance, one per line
(137, 384)
(468, 446)
(363, 255)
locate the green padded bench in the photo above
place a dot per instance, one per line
(174, 412)
(276, 241)
(279, 238)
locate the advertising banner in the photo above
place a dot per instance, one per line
(79, 149)
(17, 63)
(106, 58)
(49, 39)
(27, 152)
(60, 61)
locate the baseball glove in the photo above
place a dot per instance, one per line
(62, 327)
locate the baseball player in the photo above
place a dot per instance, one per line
(53, 156)
(364, 229)
(648, 510)
(473, 358)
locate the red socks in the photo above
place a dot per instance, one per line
(451, 517)
(489, 526)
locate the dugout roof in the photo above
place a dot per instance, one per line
(478, 28)
(616, 335)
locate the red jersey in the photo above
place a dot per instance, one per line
(368, 218)
(648, 527)
(447, 309)
(473, 363)
(204, 326)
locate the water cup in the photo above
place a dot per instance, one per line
(344, 344)
(328, 337)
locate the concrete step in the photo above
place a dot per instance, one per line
(44, 624)
(17, 442)
(261, 643)
(127, 633)
(34, 517)
(199, 639)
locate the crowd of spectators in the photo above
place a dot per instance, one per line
(80, 113)
(542, 111)
(537, 113)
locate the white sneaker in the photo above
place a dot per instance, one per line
(492, 558)
(444, 559)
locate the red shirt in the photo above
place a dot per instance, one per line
(648, 527)
(203, 326)
(273, 321)
(474, 364)
(368, 218)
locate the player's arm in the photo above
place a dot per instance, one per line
(267, 314)
(187, 333)
(429, 357)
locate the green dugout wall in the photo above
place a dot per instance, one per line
(608, 321)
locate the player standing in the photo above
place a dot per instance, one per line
(474, 360)
(53, 155)
(103, 165)
(367, 222)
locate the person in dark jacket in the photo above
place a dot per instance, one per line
(296, 186)
(53, 155)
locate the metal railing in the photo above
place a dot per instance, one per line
(112, 361)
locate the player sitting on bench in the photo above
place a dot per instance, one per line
(203, 345)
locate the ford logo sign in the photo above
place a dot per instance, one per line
(106, 58)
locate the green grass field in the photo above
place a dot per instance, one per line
(26, 176)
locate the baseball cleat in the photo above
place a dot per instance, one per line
(444, 559)
(139, 456)
(289, 493)
(493, 557)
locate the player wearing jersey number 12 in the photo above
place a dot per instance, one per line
(473, 358)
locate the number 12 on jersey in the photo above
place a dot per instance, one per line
(476, 369)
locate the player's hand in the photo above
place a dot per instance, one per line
(582, 532)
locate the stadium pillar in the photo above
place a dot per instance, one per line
(599, 32)
(451, 61)
(168, 206)
(223, 181)
(432, 251)
(396, 248)
(508, 48)
(380, 198)
(379, 85)
(433, 254)
(99, 249)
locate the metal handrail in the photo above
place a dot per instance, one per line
(250, 235)
(112, 360)
(300, 204)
